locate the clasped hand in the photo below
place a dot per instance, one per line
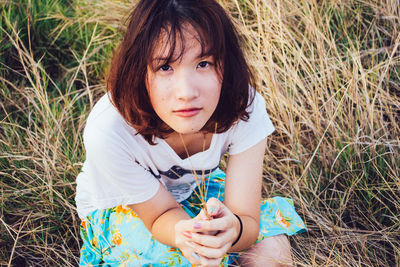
(205, 240)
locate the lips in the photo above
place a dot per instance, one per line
(187, 112)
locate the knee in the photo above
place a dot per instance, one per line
(272, 251)
(280, 242)
(279, 249)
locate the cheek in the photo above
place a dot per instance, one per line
(153, 90)
(212, 82)
(217, 89)
(158, 98)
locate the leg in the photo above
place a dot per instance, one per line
(118, 237)
(90, 254)
(273, 251)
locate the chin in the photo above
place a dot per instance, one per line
(188, 130)
(191, 131)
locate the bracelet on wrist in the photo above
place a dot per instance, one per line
(240, 231)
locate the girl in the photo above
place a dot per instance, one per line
(179, 95)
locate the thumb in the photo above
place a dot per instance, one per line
(202, 215)
(214, 206)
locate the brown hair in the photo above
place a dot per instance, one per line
(126, 81)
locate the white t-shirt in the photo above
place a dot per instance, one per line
(122, 168)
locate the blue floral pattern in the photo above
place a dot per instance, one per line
(117, 236)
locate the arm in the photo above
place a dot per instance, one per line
(160, 214)
(168, 222)
(243, 191)
(242, 197)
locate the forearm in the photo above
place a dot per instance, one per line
(163, 229)
(249, 235)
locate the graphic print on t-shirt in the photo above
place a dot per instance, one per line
(176, 172)
(172, 179)
(181, 191)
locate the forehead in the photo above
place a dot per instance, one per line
(173, 43)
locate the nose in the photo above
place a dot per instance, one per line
(185, 86)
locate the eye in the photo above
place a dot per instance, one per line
(203, 64)
(165, 67)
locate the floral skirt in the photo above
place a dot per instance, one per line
(117, 237)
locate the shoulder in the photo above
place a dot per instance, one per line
(104, 119)
(257, 112)
(246, 133)
(258, 104)
(104, 116)
(258, 115)
(106, 130)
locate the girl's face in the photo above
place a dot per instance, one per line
(184, 93)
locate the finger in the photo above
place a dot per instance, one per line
(211, 241)
(214, 241)
(187, 225)
(204, 261)
(214, 206)
(228, 237)
(211, 262)
(225, 235)
(197, 258)
(192, 256)
(211, 253)
(202, 216)
(219, 224)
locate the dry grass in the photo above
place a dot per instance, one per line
(329, 71)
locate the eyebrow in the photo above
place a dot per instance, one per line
(157, 59)
(160, 59)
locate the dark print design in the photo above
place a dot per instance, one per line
(176, 172)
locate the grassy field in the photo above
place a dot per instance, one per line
(330, 74)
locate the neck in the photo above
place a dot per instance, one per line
(186, 145)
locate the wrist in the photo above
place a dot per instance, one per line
(239, 228)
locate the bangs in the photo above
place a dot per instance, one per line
(168, 45)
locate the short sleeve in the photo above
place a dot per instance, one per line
(116, 176)
(246, 134)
